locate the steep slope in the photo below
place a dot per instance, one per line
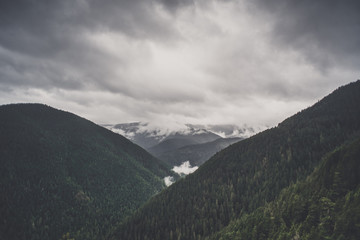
(248, 174)
(63, 175)
(196, 154)
(325, 206)
(181, 139)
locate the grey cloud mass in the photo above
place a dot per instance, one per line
(327, 31)
(184, 61)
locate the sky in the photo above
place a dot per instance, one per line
(170, 62)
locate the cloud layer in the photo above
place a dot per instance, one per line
(200, 62)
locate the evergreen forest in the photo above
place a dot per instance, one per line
(64, 177)
(299, 180)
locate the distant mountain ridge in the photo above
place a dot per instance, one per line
(62, 176)
(138, 133)
(147, 136)
(180, 139)
(196, 154)
(176, 147)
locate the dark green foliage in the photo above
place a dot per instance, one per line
(62, 176)
(325, 206)
(248, 175)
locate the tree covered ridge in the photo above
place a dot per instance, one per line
(62, 175)
(324, 206)
(248, 174)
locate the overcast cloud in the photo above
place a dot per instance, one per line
(178, 61)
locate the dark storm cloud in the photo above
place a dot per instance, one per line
(176, 4)
(46, 27)
(327, 31)
(197, 61)
(45, 43)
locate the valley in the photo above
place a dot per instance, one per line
(64, 177)
(180, 120)
(193, 143)
(241, 192)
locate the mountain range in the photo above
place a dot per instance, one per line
(196, 154)
(299, 180)
(180, 139)
(64, 177)
(147, 136)
(193, 143)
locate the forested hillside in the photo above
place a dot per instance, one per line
(250, 174)
(324, 206)
(62, 176)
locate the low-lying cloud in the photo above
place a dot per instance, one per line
(184, 169)
(169, 180)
